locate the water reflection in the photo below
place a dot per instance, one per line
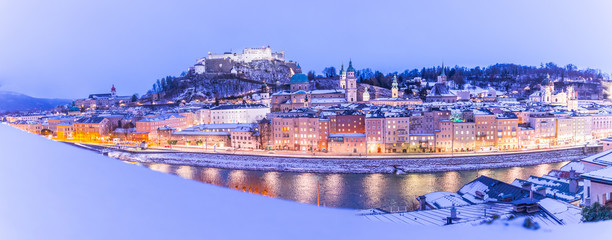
(185, 172)
(360, 191)
(271, 184)
(374, 186)
(305, 186)
(331, 191)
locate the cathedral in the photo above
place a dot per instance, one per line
(300, 94)
(567, 97)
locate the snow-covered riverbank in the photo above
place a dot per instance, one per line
(352, 165)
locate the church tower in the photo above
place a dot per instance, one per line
(351, 83)
(442, 77)
(342, 77)
(113, 91)
(394, 88)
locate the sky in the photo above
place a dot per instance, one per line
(71, 48)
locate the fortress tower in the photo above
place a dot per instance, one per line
(351, 83)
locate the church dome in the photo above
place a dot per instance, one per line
(299, 78)
(350, 67)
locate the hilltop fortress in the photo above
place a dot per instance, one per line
(230, 62)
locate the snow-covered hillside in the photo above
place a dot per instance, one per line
(246, 79)
(50, 190)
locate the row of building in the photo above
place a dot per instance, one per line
(348, 129)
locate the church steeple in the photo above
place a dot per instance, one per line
(351, 83)
(394, 88)
(443, 70)
(442, 77)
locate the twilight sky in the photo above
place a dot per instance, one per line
(68, 49)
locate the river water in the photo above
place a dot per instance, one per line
(356, 191)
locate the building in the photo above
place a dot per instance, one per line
(397, 133)
(245, 137)
(507, 131)
(296, 133)
(347, 143)
(351, 83)
(169, 120)
(375, 132)
(544, 129)
(464, 136)
(235, 113)
(248, 55)
(103, 101)
(29, 126)
(598, 187)
(486, 130)
(92, 129)
(548, 95)
(564, 131)
(440, 92)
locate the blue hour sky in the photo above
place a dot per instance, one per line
(68, 49)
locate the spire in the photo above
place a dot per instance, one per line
(394, 84)
(443, 72)
(350, 67)
(342, 69)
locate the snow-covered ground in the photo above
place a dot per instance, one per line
(50, 190)
(351, 165)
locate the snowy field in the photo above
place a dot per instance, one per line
(50, 190)
(352, 165)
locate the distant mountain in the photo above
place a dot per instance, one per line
(12, 101)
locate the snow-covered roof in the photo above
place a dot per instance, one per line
(445, 199)
(602, 158)
(162, 117)
(601, 175)
(327, 91)
(327, 100)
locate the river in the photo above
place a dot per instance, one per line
(355, 191)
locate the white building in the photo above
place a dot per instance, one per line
(250, 54)
(238, 113)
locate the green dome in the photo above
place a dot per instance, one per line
(350, 67)
(299, 78)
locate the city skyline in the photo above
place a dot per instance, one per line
(83, 48)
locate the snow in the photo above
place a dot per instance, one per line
(567, 213)
(52, 190)
(604, 157)
(573, 165)
(469, 190)
(329, 163)
(604, 174)
(445, 199)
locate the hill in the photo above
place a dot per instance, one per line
(12, 101)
